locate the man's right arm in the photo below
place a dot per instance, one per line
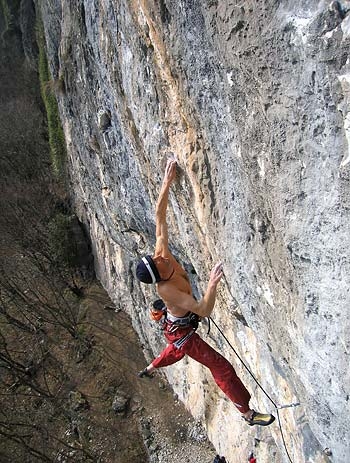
(206, 304)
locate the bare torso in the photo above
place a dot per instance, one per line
(180, 282)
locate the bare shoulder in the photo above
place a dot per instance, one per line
(177, 298)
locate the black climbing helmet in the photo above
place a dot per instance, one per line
(146, 271)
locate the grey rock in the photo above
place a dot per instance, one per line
(120, 402)
(254, 101)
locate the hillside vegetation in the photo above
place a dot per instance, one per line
(68, 356)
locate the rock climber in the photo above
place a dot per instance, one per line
(173, 286)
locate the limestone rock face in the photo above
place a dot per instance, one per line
(253, 99)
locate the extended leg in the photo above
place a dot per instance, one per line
(168, 356)
(222, 371)
(226, 378)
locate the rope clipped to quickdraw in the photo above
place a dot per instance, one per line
(260, 386)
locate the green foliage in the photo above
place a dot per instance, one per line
(56, 135)
(62, 241)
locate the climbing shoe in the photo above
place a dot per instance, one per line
(260, 419)
(144, 374)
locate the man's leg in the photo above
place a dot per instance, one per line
(222, 371)
(168, 356)
(226, 378)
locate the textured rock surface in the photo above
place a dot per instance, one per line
(254, 100)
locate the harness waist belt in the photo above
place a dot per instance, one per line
(180, 321)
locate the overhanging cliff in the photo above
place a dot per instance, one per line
(253, 98)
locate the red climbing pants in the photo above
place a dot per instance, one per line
(221, 369)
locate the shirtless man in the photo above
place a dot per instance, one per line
(174, 288)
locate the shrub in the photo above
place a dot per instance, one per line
(56, 135)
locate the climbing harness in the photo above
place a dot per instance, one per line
(277, 407)
(159, 313)
(171, 323)
(191, 319)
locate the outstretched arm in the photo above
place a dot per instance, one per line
(162, 241)
(206, 304)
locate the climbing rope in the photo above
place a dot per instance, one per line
(260, 386)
